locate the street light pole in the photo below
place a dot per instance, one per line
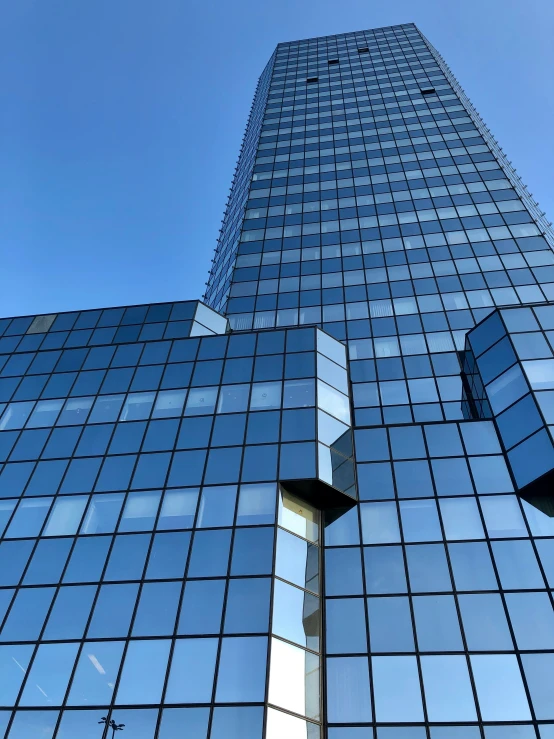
(116, 727)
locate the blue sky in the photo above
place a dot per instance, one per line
(120, 123)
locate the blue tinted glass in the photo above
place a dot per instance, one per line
(348, 698)
(202, 607)
(195, 720)
(192, 670)
(341, 640)
(384, 570)
(237, 723)
(390, 625)
(242, 668)
(343, 571)
(427, 568)
(247, 609)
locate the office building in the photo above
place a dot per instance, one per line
(318, 504)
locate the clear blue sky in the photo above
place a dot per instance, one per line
(121, 120)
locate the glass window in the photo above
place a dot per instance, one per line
(420, 520)
(443, 440)
(14, 661)
(140, 511)
(28, 518)
(538, 668)
(437, 625)
(202, 607)
(127, 557)
(48, 561)
(480, 438)
(157, 609)
(343, 571)
(96, 674)
(428, 568)
(70, 612)
(113, 610)
(448, 699)
(143, 672)
(348, 696)
(151, 470)
(472, 566)
(517, 565)
(375, 480)
(294, 679)
(413, 479)
(499, 687)
(490, 475)
(192, 671)
(452, 476)
(265, 396)
(223, 465)
(247, 609)
(210, 553)
(295, 615)
(33, 723)
(485, 623)
(87, 559)
(47, 681)
(341, 640)
(461, 519)
(407, 442)
(532, 619)
(178, 509)
(102, 513)
(297, 561)
(390, 625)
(233, 399)
(65, 515)
(242, 669)
(384, 570)
(195, 720)
(27, 615)
(237, 722)
(379, 523)
(168, 555)
(256, 504)
(396, 689)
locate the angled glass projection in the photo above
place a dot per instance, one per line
(508, 370)
(295, 662)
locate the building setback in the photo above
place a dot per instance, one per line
(318, 504)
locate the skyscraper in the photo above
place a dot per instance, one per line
(322, 507)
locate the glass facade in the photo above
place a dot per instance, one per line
(322, 507)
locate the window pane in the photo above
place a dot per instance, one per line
(390, 625)
(242, 669)
(448, 699)
(396, 689)
(192, 671)
(499, 688)
(348, 697)
(49, 675)
(143, 672)
(96, 674)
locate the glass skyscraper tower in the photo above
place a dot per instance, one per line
(319, 504)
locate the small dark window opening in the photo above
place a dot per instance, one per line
(332, 61)
(312, 79)
(427, 90)
(363, 50)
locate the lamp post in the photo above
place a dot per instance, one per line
(116, 727)
(110, 725)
